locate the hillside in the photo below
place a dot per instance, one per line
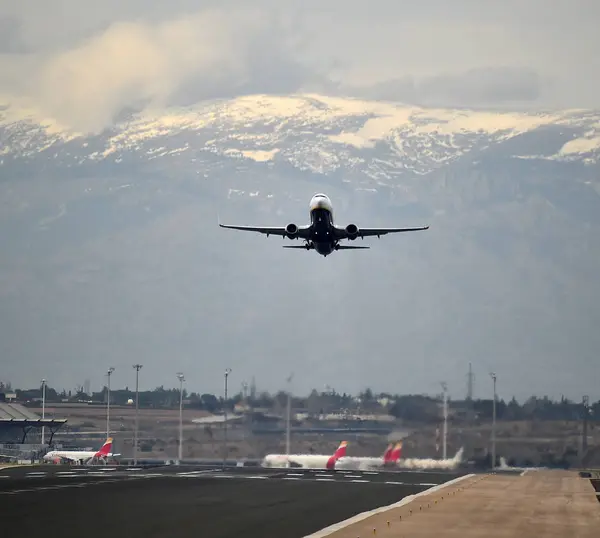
(111, 247)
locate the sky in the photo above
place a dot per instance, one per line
(82, 62)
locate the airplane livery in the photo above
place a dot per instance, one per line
(322, 235)
(82, 456)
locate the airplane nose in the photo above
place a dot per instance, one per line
(319, 203)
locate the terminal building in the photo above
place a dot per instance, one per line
(21, 432)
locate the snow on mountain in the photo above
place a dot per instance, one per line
(313, 133)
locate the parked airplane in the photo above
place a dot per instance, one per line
(389, 459)
(430, 463)
(305, 461)
(322, 234)
(82, 456)
(504, 466)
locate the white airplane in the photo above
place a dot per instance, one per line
(81, 456)
(431, 463)
(389, 459)
(504, 466)
(322, 234)
(305, 461)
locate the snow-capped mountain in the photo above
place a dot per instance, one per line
(110, 244)
(371, 141)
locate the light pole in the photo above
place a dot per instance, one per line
(494, 423)
(288, 418)
(227, 372)
(108, 373)
(43, 409)
(181, 378)
(137, 367)
(445, 433)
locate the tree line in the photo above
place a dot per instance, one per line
(417, 408)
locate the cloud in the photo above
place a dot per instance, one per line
(489, 86)
(206, 55)
(88, 60)
(10, 36)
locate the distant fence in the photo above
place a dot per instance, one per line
(382, 430)
(21, 451)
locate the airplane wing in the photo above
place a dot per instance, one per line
(369, 232)
(269, 230)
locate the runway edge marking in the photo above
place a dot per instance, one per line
(364, 515)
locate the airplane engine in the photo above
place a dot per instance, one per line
(291, 230)
(352, 231)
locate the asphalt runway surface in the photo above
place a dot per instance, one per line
(183, 501)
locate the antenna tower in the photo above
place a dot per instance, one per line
(470, 379)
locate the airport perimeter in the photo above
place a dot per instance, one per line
(292, 503)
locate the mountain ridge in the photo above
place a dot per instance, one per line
(111, 246)
(311, 132)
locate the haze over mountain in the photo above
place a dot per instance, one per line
(119, 153)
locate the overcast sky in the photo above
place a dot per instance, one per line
(81, 61)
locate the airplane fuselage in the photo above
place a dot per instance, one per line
(305, 461)
(322, 237)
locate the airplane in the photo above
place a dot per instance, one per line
(306, 461)
(322, 235)
(430, 463)
(81, 456)
(504, 466)
(389, 459)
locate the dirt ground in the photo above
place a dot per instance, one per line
(552, 504)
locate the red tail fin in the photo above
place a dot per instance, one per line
(395, 454)
(105, 450)
(339, 453)
(388, 452)
(341, 450)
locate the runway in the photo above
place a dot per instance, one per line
(56, 473)
(182, 501)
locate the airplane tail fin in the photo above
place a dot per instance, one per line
(388, 452)
(458, 457)
(341, 450)
(396, 453)
(392, 455)
(339, 453)
(105, 450)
